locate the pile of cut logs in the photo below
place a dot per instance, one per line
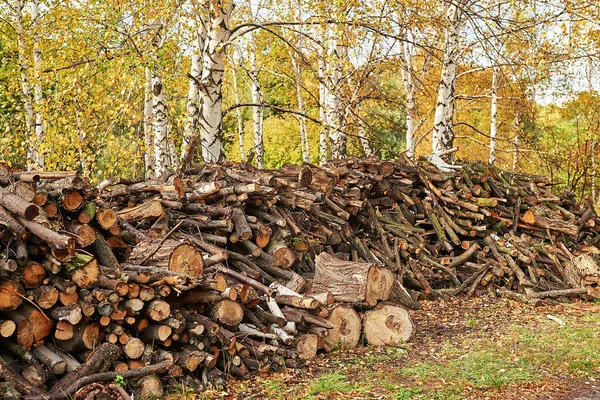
(228, 269)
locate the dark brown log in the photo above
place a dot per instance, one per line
(100, 361)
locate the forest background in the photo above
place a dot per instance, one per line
(140, 88)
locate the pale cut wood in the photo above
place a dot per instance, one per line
(150, 209)
(582, 271)
(172, 254)
(351, 282)
(346, 328)
(388, 324)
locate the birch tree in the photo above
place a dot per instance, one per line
(238, 110)
(33, 145)
(443, 125)
(38, 156)
(193, 106)
(149, 165)
(160, 124)
(215, 23)
(257, 96)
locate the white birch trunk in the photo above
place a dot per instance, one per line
(147, 123)
(335, 109)
(257, 98)
(362, 134)
(409, 89)
(304, 144)
(190, 132)
(594, 192)
(174, 160)
(494, 117)
(323, 94)
(238, 111)
(37, 88)
(160, 123)
(443, 130)
(296, 65)
(515, 160)
(32, 148)
(213, 58)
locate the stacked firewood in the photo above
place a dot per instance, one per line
(228, 269)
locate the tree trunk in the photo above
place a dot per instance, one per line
(494, 117)
(37, 88)
(162, 156)
(190, 133)
(148, 134)
(362, 135)
(323, 94)
(335, 117)
(33, 149)
(443, 129)
(257, 98)
(409, 89)
(304, 143)
(238, 112)
(213, 58)
(517, 125)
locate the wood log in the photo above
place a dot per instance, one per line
(351, 282)
(178, 257)
(157, 310)
(388, 324)
(7, 328)
(24, 336)
(228, 312)
(583, 272)
(85, 337)
(18, 206)
(83, 270)
(50, 359)
(346, 328)
(100, 361)
(147, 210)
(84, 234)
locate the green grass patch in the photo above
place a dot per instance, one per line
(329, 384)
(520, 358)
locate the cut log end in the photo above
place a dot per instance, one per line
(346, 328)
(387, 325)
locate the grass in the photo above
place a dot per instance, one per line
(503, 359)
(525, 355)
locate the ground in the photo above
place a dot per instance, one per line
(484, 348)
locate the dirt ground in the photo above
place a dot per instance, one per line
(484, 348)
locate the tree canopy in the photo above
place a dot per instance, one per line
(138, 88)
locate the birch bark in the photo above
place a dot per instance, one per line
(32, 149)
(190, 133)
(443, 130)
(494, 116)
(160, 123)
(257, 98)
(147, 123)
(215, 24)
(37, 87)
